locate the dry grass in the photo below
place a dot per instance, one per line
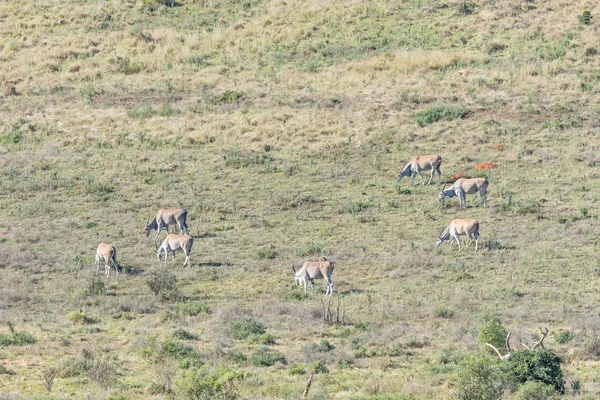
(280, 127)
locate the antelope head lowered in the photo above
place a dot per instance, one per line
(312, 270)
(417, 164)
(164, 218)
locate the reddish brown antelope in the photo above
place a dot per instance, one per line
(417, 164)
(175, 242)
(312, 270)
(106, 253)
(164, 218)
(469, 227)
(464, 186)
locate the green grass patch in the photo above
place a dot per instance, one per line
(440, 111)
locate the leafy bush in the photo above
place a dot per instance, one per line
(80, 318)
(163, 284)
(536, 365)
(480, 378)
(70, 367)
(585, 18)
(267, 357)
(236, 357)
(324, 346)
(265, 338)
(443, 312)
(16, 339)
(227, 97)
(242, 328)
(534, 391)
(102, 373)
(193, 309)
(186, 355)
(319, 368)
(491, 331)
(440, 111)
(199, 384)
(564, 337)
(299, 369)
(5, 371)
(184, 335)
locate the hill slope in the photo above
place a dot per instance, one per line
(280, 126)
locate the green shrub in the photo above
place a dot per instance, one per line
(299, 369)
(71, 367)
(16, 339)
(186, 355)
(297, 294)
(491, 331)
(236, 357)
(199, 384)
(324, 346)
(564, 337)
(536, 365)
(163, 283)
(267, 357)
(227, 97)
(443, 312)
(193, 309)
(319, 368)
(243, 328)
(534, 391)
(141, 112)
(585, 18)
(184, 335)
(480, 378)
(265, 338)
(440, 111)
(80, 318)
(5, 371)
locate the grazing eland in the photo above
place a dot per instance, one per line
(164, 218)
(175, 242)
(417, 164)
(469, 227)
(312, 270)
(464, 186)
(106, 253)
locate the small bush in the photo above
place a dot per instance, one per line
(585, 18)
(186, 355)
(298, 369)
(163, 284)
(227, 97)
(71, 367)
(16, 339)
(534, 391)
(184, 335)
(324, 346)
(243, 328)
(312, 249)
(319, 368)
(297, 295)
(141, 112)
(5, 371)
(440, 111)
(267, 357)
(102, 373)
(564, 337)
(480, 377)
(267, 254)
(193, 309)
(491, 331)
(265, 338)
(443, 312)
(236, 357)
(198, 384)
(536, 365)
(80, 318)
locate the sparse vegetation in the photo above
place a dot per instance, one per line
(281, 129)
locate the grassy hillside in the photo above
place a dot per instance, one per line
(280, 126)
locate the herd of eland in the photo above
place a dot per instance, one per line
(322, 269)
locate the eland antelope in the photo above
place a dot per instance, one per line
(464, 186)
(312, 270)
(469, 227)
(106, 253)
(417, 164)
(164, 218)
(175, 242)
